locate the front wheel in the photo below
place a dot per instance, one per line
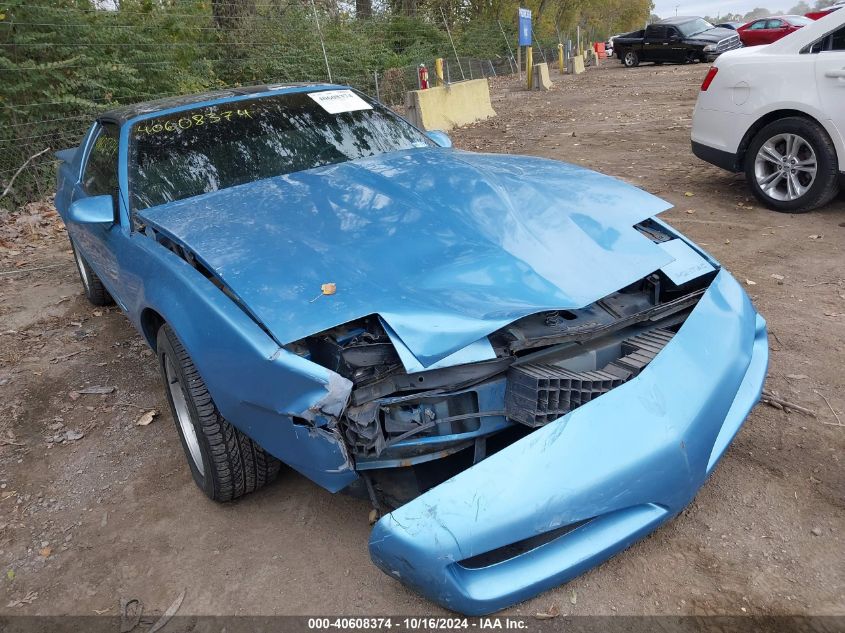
(225, 463)
(631, 59)
(791, 166)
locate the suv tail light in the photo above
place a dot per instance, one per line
(711, 75)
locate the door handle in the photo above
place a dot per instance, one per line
(835, 74)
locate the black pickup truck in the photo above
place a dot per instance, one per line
(675, 40)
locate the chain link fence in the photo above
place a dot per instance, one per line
(63, 62)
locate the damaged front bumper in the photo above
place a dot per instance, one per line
(576, 491)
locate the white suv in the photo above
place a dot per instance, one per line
(777, 112)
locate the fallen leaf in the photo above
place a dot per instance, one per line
(146, 418)
(727, 241)
(373, 518)
(96, 390)
(689, 194)
(552, 612)
(814, 237)
(573, 597)
(167, 615)
(98, 313)
(690, 211)
(45, 551)
(750, 283)
(73, 395)
(28, 599)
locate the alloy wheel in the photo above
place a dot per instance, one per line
(785, 167)
(183, 415)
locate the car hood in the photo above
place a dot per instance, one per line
(446, 246)
(712, 36)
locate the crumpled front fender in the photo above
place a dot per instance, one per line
(616, 467)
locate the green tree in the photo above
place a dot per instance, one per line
(800, 9)
(754, 14)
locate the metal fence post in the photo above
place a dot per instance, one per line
(322, 43)
(508, 44)
(449, 33)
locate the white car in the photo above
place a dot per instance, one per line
(777, 112)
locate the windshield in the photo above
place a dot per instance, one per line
(213, 147)
(699, 25)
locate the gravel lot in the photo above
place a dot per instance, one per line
(114, 514)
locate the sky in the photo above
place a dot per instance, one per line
(666, 8)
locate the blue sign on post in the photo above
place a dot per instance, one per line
(524, 27)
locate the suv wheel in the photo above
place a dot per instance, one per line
(791, 166)
(631, 59)
(224, 462)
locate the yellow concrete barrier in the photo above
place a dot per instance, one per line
(541, 76)
(578, 64)
(443, 108)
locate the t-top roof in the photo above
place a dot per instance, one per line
(122, 114)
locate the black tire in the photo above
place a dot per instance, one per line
(225, 463)
(630, 59)
(658, 63)
(820, 191)
(95, 291)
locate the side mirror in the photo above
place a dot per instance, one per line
(440, 138)
(92, 210)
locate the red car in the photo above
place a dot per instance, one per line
(771, 29)
(815, 15)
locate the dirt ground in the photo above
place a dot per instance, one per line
(114, 513)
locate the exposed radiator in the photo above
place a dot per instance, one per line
(539, 393)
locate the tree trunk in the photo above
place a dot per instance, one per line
(363, 9)
(409, 8)
(229, 13)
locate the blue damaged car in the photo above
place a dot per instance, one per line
(513, 359)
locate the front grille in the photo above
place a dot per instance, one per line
(540, 393)
(729, 43)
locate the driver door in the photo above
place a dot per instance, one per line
(775, 29)
(99, 177)
(677, 49)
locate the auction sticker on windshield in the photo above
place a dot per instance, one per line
(337, 101)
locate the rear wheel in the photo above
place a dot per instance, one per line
(95, 291)
(225, 463)
(631, 59)
(791, 166)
